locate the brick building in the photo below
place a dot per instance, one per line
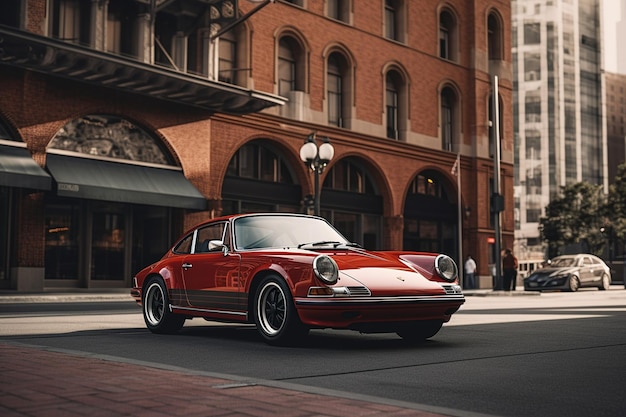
(123, 122)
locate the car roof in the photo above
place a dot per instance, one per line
(240, 215)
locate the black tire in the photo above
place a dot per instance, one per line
(419, 331)
(574, 284)
(156, 308)
(275, 315)
(605, 282)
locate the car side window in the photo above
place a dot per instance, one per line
(207, 234)
(185, 245)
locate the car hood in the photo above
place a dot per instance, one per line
(389, 273)
(552, 271)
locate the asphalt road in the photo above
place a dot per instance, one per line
(556, 354)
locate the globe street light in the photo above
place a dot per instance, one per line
(316, 158)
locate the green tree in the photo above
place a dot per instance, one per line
(616, 212)
(577, 216)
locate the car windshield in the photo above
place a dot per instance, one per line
(563, 262)
(274, 231)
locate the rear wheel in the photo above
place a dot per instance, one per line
(574, 284)
(605, 282)
(156, 308)
(275, 315)
(419, 331)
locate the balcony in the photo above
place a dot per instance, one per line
(82, 64)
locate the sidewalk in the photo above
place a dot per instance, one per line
(39, 382)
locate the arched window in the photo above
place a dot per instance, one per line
(286, 67)
(352, 202)
(291, 65)
(337, 89)
(494, 37)
(259, 178)
(256, 160)
(395, 112)
(447, 36)
(448, 119)
(109, 136)
(347, 175)
(429, 215)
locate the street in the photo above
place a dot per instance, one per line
(554, 354)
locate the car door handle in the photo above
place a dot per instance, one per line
(187, 266)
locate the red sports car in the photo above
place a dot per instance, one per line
(288, 273)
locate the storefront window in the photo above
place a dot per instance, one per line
(107, 250)
(4, 232)
(62, 239)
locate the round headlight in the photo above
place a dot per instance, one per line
(326, 269)
(446, 267)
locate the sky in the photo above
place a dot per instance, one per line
(614, 13)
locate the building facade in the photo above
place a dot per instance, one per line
(615, 121)
(557, 107)
(124, 122)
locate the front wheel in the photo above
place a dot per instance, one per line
(275, 315)
(605, 282)
(573, 283)
(419, 331)
(156, 308)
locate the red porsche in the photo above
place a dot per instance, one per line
(288, 273)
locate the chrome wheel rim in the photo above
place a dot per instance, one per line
(154, 304)
(272, 309)
(573, 283)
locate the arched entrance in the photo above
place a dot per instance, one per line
(351, 200)
(114, 205)
(259, 178)
(430, 220)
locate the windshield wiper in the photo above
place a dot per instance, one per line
(321, 243)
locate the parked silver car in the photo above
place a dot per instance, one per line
(570, 272)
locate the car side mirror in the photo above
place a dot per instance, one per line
(215, 245)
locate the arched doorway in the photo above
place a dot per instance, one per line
(116, 202)
(430, 220)
(260, 178)
(351, 200)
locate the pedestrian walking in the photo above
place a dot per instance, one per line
(509, 266)
(470, 271)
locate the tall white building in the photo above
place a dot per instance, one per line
(559, 134)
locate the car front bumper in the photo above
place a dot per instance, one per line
(347, 313)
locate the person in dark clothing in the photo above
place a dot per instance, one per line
(509, 267)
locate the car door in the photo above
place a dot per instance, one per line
(597, 270)
(211, 275)
(586, 270)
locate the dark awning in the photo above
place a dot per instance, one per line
(18, 169)
(61, 59)
(127, 183)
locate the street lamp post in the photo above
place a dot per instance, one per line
(316, 158)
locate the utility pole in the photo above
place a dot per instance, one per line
(497, 201)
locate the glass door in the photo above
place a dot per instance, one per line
(108, 244)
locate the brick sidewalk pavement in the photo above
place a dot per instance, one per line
(42, 383)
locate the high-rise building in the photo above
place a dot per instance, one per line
(557, 107)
